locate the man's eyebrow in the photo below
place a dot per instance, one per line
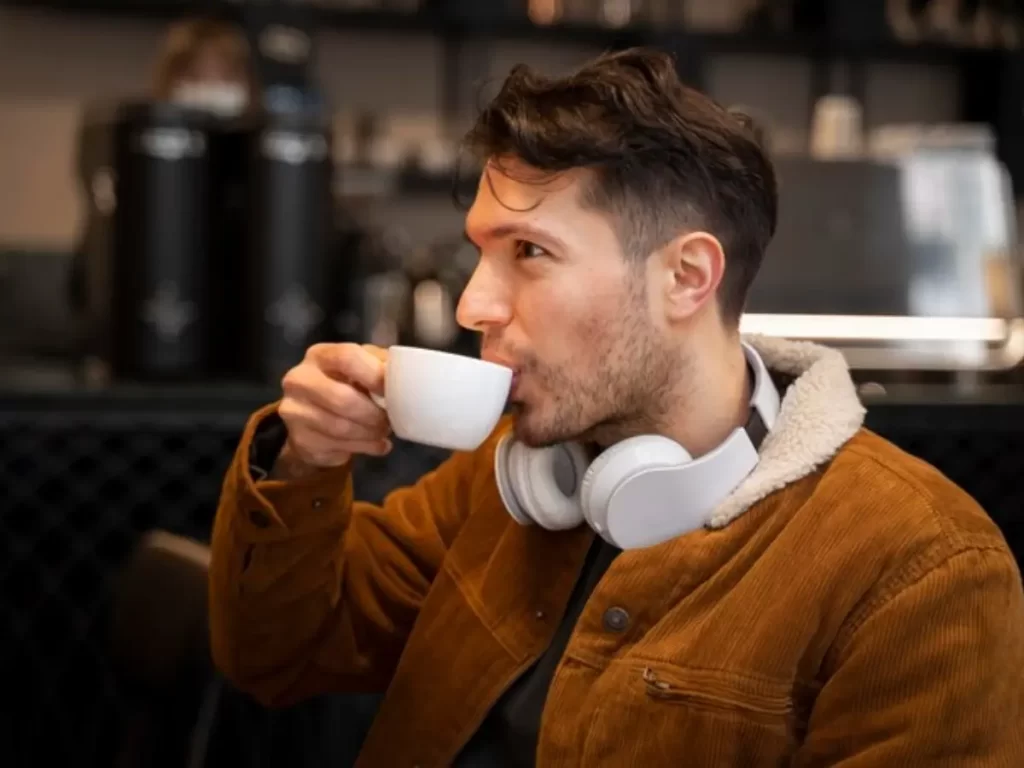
(524, 231)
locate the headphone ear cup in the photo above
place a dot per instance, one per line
(546, 483)
(617, 465)
(504, 477)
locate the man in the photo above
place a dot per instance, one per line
(844, 605)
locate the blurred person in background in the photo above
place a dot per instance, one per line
(843, 605)
(206, 63)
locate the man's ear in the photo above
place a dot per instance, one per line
(689, 269)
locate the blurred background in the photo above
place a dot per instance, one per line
(192, 193)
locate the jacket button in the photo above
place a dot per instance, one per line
(317, 503)
(259, 518)
(616, 619)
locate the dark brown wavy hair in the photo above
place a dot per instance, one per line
(667, 158)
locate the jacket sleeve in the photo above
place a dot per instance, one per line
(312, 593)
(933, 675)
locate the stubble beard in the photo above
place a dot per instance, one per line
(622, 388)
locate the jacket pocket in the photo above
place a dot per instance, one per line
(659, 714)
(718, 690)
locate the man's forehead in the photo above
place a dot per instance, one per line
(510, 189)
(512, 177)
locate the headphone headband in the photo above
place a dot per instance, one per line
(764, 398)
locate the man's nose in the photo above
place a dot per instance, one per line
(486, 300)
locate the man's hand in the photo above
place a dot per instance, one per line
(328, 411)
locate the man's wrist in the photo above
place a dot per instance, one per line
(271, 456)
(288, 466)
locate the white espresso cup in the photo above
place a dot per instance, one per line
(442, 399)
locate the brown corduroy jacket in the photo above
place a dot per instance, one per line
(849, 607)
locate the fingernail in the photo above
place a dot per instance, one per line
(388, 445)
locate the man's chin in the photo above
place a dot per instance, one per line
(529, 432)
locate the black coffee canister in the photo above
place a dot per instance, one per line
(291, 241)
(159, 271)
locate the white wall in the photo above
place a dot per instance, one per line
(51, 65)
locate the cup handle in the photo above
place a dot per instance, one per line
(379, 400)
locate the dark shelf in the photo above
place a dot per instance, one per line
(158, 10)
(752, 41)
(423, 22)
(428, 21)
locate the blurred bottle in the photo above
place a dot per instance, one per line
(617, 13)
(160, 280)
(544, 12)
(290, 242)
(837, 129)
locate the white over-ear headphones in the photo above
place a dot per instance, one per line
(640, 492)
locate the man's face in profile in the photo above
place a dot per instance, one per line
(556, 300)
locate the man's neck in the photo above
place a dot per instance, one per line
(716, 399)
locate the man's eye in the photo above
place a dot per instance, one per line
(527, 250)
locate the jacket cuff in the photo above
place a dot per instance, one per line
(274, 510)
